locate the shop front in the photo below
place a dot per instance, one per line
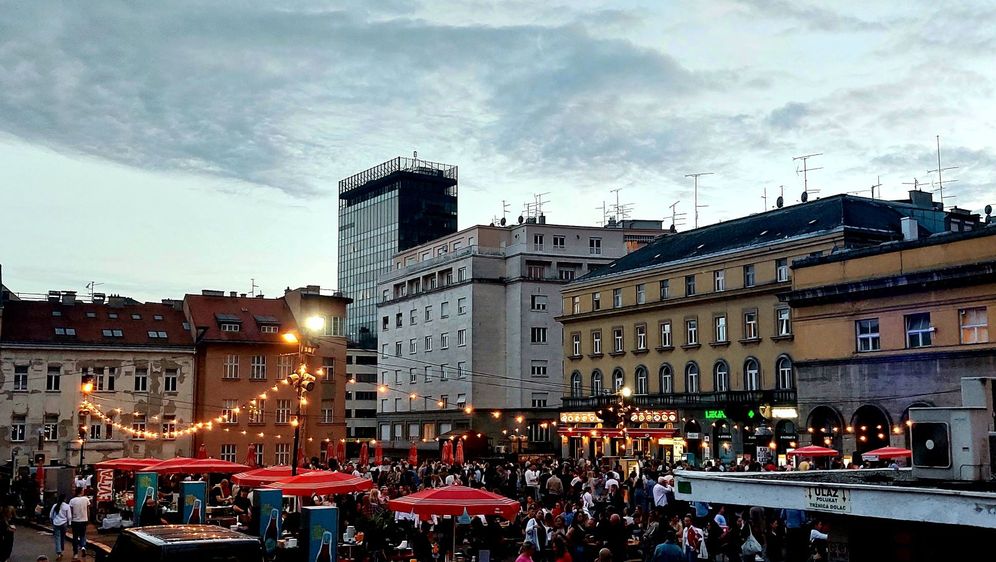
(638, 434)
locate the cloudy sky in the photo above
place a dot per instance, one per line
(161, 148)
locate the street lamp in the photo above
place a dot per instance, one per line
(302, 381)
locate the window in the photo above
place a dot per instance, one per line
(540, 399)
(170, 380)
(641, 337)
(105, 384)
(111, 333)
(536, 335)
(229, 327)
(537, 302)
(285, 364)
(412, 317)
(413, 346)
(691, 378)
(20, 378)
(231, 366)
(257, 367)
(596, 383)
(444, 340)
(50, 427)
(566, 274)
(665, 289)
(595, 246)
(692, 332)
(720, 331)
(616, 298)
(719, 280)
(868, 337)
(461, 400)
(428, 313)
(689, 285)
(327, 413)
(666, 334)
(918, 330)
(537, 368)
(412, 376)
(268, 329)
(428, 343)
(445, 400)
(537, 241)
(444, 309)
(462, 274)
(461, 369)
(641, 293)
(283, 411)
(576, 305)
(259, 453)
(397, 349)
(428, 375)
(136, 316)
(784, 322)
(786, 377)
(462, 337)
(142, 380)
(618, 380)
(429, 431)
(558, 242)
(56, 313)
(596, 301)
(752, 374)
(399, 320)
(535, 271)
(576, 384)
(95, 431)
(228, 452)
(781, 269)
(749, 275)
(617, 340)
(539, 432)
(335, 326)
(72, 332)
(397, 376)
(576, 345)
(974, 325)
(596, 343)
(53, 381)
(383, 350)
(443, 374)
(281, 454)
(138, 425)
(328, 368)
(641, 380)
(169, 426)
(462, 305)
(750, 325)
(230, 411)
(721, 376)
(17, 428)
(112, 315)
(257, 412)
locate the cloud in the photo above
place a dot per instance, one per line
(811, 17)
(788, 116)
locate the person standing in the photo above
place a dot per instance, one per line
(6, 532)
(60, 516)
(79, 507)
(819, 541)
(794, 521)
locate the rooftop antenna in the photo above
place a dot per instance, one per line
(915, 183)
(92, 285)
(805, 173)
(676, 217)
(253, 286)
(605, 213)
(940, 180)
(878, 183)
(764, 198)
(695, 193)
(538, 201)
(621, 210)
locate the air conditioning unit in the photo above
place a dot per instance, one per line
(951, 443)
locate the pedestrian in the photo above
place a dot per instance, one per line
(775, 541)
(819, 541)
(526, 552)
(6, 532)
(80, 508)
(60, 515)
(668, 551)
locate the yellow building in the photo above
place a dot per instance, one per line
(883, 329)
(692, 325)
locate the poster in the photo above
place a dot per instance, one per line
(193, 502)
(146, 483)
(322, 524)
(268, 504)
(105, 485)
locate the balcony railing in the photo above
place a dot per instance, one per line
(686, 400)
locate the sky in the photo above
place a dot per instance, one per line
(163, 148)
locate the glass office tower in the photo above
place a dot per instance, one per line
(391, 207)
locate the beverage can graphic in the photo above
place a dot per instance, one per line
(270, 535)
(325, 550)
(195, 513)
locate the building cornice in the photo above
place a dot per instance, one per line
(104, 348)
(899, 356)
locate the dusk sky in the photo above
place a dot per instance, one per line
(162, 148)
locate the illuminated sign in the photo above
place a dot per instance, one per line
(715, 414)
(579, 417)
(784, 413)
(654, 416)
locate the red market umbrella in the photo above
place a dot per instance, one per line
(813, 451)
(886, 453)
(195, 466)
(302, 457)
(251, 456)
(364, 453)
(322, 482)
(126, 464)
(447, 452)
(202, 453)
(459, 452)
(413, 454)
(378, 454)
(340, 451)
(263, 476)
(455, 501)
(329, 452)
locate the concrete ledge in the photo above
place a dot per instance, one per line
(100, 549)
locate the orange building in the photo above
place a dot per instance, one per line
(241, 356)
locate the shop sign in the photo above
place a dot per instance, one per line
(715, 414)
(654, 416)
(725, 436)
(693, 435)
(579, 417)
(825, 498)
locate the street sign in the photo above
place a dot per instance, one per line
(825, 498)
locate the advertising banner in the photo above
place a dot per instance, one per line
(194, 502)
(105, 484)
(146, 483)
(267, 504)
(322, 524)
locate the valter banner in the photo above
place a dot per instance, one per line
(322, 525)
(268, 504)
(192, 496)
(146, 484)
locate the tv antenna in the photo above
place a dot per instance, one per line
(805, 172)
(878, 183)
(676, 217)
(915, 183)
(939, 170)
(605, 213)
(695, 193)
(92, 285)
(253, 286)
(764, 198)
(535, 209)
(620, 210)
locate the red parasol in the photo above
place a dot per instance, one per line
(447, 457)
(413, 454)
(378, 454)
(302, 457)
(195, 466)
(329, 452)
(455, 501)
(459, 452)
(340, 451)
(364, 453)
(130, 465)
(322, 482)
(251, 456)
(202, 453)
(264, 476)
(886, 453)
(813, 451)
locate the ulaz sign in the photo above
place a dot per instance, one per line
(824, 498)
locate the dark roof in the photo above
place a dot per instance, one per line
(208, 312)
(36, 322)
(879, 220)
(168, 534)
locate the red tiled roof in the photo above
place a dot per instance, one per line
(206, 310)
(34, 322)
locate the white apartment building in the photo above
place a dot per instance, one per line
(361, 394)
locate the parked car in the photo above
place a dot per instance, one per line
(185, 543)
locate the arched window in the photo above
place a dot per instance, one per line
(617, 379)
(642, 385)
(575, 384)
(667, 379)
(692, 378)
(786, 376)
(721, 376)
(752, 374)
(596, 383)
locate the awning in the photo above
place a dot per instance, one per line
(636, 433)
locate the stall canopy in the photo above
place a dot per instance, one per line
(455, 501)
(125, 464)
(322, 482)
(264, 476)
(813, 451)
(886, 453)
(194, 466)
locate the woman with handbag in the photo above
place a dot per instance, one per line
(60, 516)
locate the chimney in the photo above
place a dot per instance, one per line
(69, 297)
(212, 293)
(233, 294)
(54, 296)
(542, 219)
(314, 289)
(98, 298)
(921, 199)
(116, 301)
(910, 229)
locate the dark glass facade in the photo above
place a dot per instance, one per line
(399, 204)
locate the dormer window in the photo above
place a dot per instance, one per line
(229, 327)
(157, 317)
(229, 322)
(136, 316)
(268, 329)
(65, 331)
(112, 315)
(267, 324)
(56, 313)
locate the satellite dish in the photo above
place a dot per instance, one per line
(521, 219)
(779, 202)
(805, 196)
(989, 209)
(503, 221)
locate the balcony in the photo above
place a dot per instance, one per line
(707, 400)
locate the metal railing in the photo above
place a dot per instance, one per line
(399, 164)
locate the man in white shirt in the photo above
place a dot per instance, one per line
(79, 506)
(660, 493)
(532, 481)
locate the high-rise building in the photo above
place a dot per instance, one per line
(387, 209)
